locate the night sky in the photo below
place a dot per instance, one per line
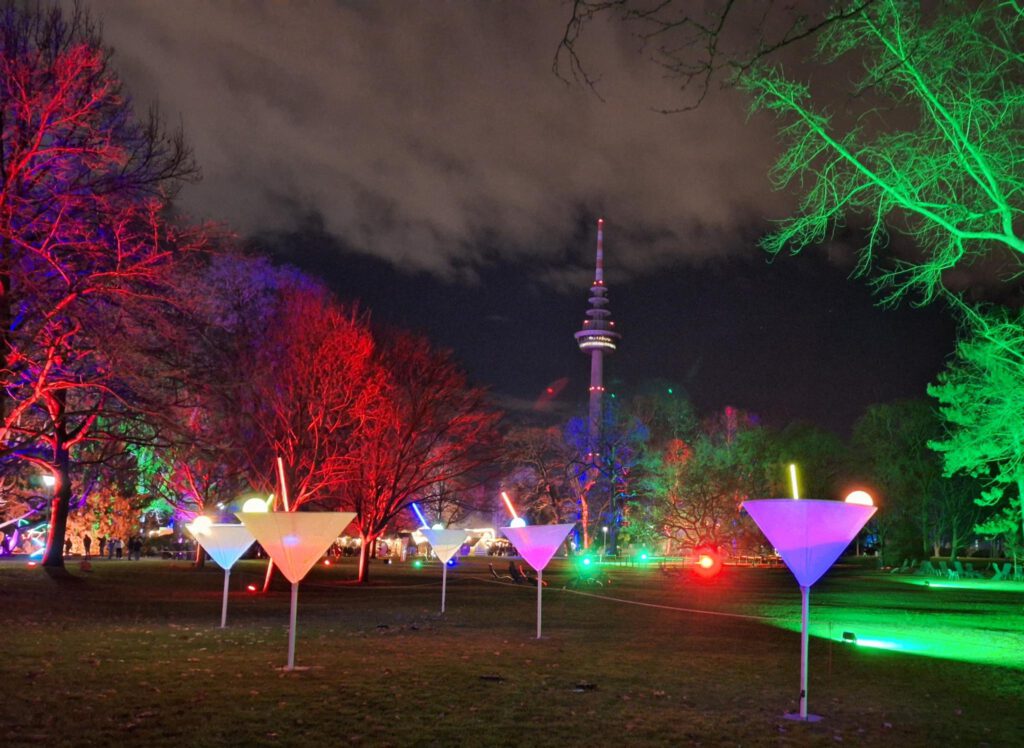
(423, 158)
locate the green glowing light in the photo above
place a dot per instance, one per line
(417, 564)
(931, 635)
(879, 644)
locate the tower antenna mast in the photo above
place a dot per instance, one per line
(597, 338)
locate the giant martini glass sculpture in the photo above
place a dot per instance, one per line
(809, 534)
(537, 544)
(295, 541)
(225, 544)
(445, 543)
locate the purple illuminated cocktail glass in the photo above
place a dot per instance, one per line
(809, 534)
(537, 544)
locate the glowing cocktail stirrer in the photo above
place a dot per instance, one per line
(284, 484)
(419, 514)
(508, 503)
(517, 521)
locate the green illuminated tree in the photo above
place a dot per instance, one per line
(981, 398)
(929, 144)
(928, 147)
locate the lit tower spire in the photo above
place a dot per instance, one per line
(597, 338)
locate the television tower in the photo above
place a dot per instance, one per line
(597, 338)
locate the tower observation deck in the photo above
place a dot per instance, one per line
(597, 338)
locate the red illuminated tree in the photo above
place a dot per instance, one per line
(94, 352)
(86, 258)
(309, 385)
(426, 426)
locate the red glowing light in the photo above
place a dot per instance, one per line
(251, 588)
(327, 562)
(709, 563)
(32, 563)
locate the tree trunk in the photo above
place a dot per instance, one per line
(925, 534)
(365, 548)
(1020, 513)
(54, 555)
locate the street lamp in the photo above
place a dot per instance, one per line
(604, 545)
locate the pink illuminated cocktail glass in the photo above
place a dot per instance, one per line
(537, 544)
(295, 541)
(225, 544)
(809, 534)
(445, 543)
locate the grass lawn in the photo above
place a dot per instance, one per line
(130, 653)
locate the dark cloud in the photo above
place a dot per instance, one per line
(425, 131)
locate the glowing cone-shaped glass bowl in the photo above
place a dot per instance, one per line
(446, 544)
(225, 544)
(809, 534)
(295, 541)
(537, 544)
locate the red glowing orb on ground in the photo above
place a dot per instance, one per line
(709, 563)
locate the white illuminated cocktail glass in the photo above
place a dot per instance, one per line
(445, 543)
(225, 544)
(809, 534)
(295, 541)
(537, 544)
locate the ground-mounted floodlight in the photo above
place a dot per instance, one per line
(225, 544)
(537, 544)
(445, 543)
(295, 541)
(809, 534)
